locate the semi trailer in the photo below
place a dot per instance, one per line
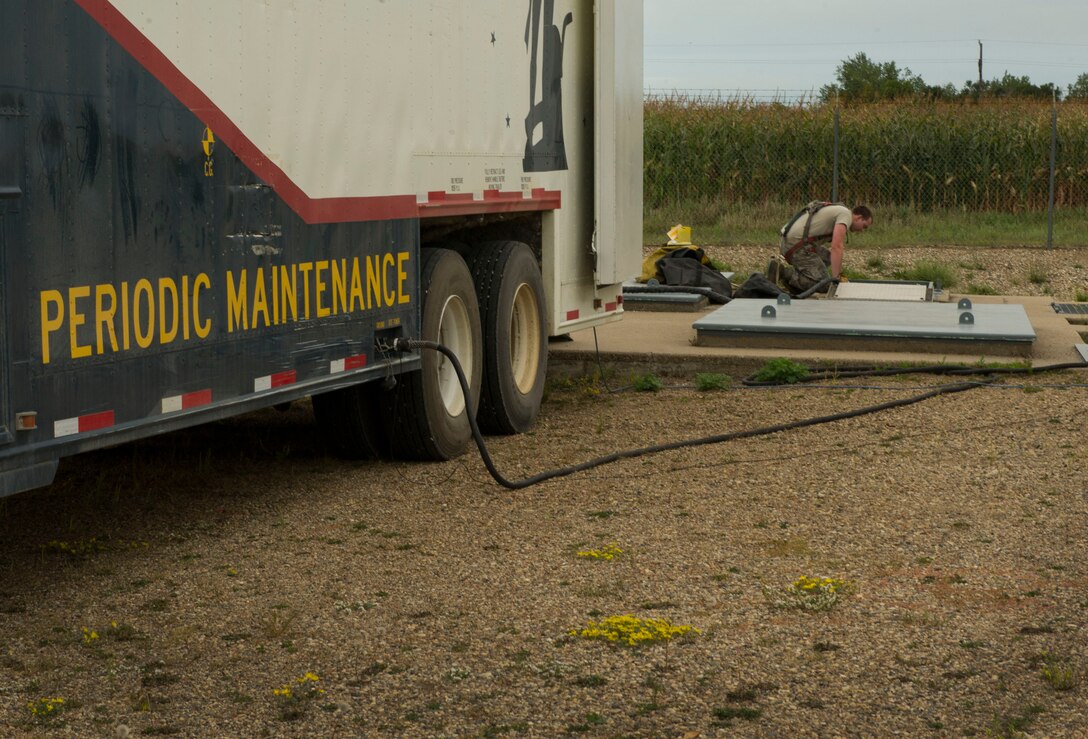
(216, 206)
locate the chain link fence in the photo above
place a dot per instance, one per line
(1010, 156)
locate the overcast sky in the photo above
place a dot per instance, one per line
(787, 47)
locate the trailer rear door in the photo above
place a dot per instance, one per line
(618, 139)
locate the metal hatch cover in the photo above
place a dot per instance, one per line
(870, 325)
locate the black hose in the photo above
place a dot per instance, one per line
(409, 344)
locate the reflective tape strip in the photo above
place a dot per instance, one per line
(277, 380)
(347, 363)
(176, 403)
(572, 315)
(609, 307)
(82, 424)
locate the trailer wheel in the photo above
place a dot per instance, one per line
(350, 420)
(426, 411)
(511, 296)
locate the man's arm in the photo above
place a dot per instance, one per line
(838, 241)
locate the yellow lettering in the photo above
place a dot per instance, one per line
(402, 277)
(201, 282)
(124, 316)
(390, 296)
(166, 285)
(185, 307)
(289, 291)
(143, 287)
(339, 287)
(236, 302)
(305, 268)
(356, 287)
(373, 282)
(319, 286)
(77, 319)
(49, 325)
(104, 316)
(275, 295)
(260, 298)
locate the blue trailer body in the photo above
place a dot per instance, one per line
(151, 280)
(216, 206)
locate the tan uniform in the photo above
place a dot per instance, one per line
(809, 262)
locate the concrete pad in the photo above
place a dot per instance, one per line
(664, 343)
(689, 302)
(870, 325)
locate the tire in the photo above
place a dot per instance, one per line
(351, 422)
(511, 295)
(426, 412)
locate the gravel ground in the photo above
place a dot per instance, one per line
(171, 586)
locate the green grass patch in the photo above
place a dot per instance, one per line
(926, 271)
(706, 381)
(781, 371)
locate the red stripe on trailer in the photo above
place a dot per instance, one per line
(572, 315)
(175, 403)
(356, 362)
(283, 378)
(459, 203)
(311, 210)
(83, 424)
(609, 307)
(95, 421)
(441, 196)
(196, 399)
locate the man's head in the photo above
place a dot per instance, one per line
(863, 218)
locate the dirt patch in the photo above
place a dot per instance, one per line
(182, 584)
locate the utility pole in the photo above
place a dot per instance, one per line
(980, 66)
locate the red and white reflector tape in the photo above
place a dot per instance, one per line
(82, 424)
(347, 363)
(176, 403)
(277, 380)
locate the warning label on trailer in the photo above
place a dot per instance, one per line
(108, 318)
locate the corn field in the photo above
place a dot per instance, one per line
(987, 156)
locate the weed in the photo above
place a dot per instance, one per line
(707, 381)
(648, 383)
(46, 710)
(279, 624)
(975, 289)
(1038, 276)
(875, 262)
(607, 553)
(295, 697)
(781, 371)
(1081, 297)
(926, 271)
(810, 593)
(1014, 726)
(1059, 674)
(590, 720)
(590, 681)
(633, 631)
(725, 716)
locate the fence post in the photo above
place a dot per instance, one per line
(835, 160)
(1053, 156)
